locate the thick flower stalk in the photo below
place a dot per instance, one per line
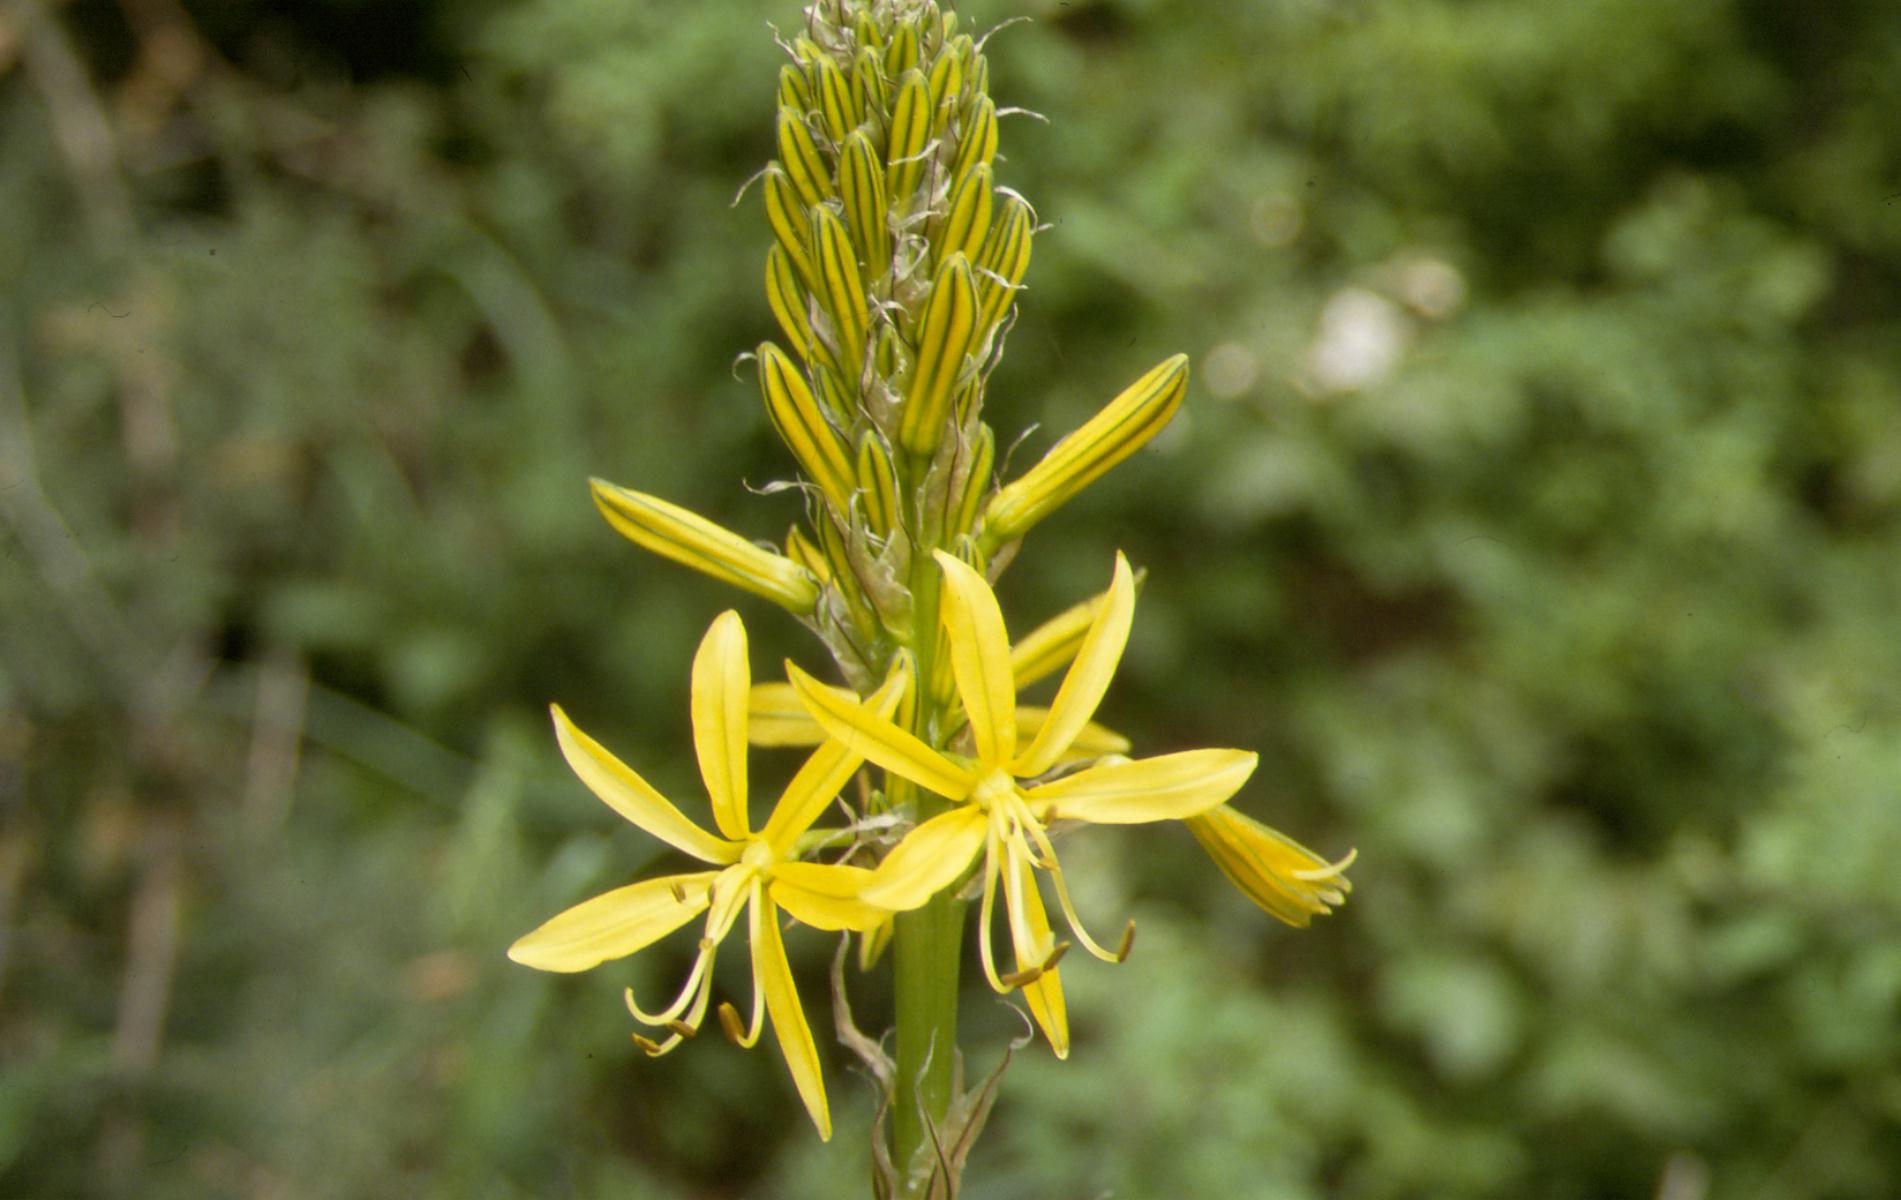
(897, 257)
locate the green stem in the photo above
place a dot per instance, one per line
(929, 943)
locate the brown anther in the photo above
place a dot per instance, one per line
(679, 893)
(1056, 956)
(729, 1022)
(683, 1029)
(1127, 943)
(1023, 978)
(652, 1048)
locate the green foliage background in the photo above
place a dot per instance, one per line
(1576, 614)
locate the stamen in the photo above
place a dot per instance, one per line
(1023, 978)
(987, 911)
(1330, 871)
(757, 913)
(729, 1023)
(650, 1047)
(696, 981)
(1127, 943)
(1030, 975)
(1055, 869)
(681, 1030)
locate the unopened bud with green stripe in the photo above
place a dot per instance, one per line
(1119, 430)
(802, 426)
(691, 540)
(967, 213)
(972, 483)
(944, 336)
(1004, 260)
(878, 485)
(841, 291)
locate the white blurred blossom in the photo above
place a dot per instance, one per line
(1361, 337)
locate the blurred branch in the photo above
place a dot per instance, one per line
(62, 564)
(79, 122)
(277, 733)
(145, 994)
(330, 720)
(14, 843)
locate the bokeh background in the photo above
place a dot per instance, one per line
(1536, 512)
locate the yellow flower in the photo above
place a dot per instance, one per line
(1288, 881)
(1003, 810)
(755, 871)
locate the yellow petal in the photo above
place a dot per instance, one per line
(928, 860)
(1168, 787)
(624, 791)
(1289, 881)
(1030, 936)
(980, 659)
(871, 945)
(865, 732)
(773, 975)
(1088, 676)
(690, 539)
(774, 717)
(721, 683)
(1052, 645)
(828, 770)
(825, 896)
(1123, 426)
(1092, 741)
(614, 924)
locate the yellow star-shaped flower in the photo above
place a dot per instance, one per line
(1288, 881)
(759, 872)
(1003, 806)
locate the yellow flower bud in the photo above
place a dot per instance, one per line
(1119, 430)
(944, 337)
(804, 429)
(691, 540)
